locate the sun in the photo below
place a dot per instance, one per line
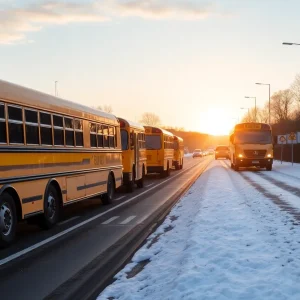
(215, 121)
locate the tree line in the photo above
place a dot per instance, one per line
(284, 108)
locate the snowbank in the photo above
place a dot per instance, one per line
(223, 240)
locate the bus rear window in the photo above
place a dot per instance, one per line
(153, 142)
(124, 139)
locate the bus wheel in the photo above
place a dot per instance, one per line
(269, 167)
(168, 171)
(177, 166)
(181, 166)
(52, 208)
(236, 167)
(109, 195)
(231, 166)
(8, 220)
(140, 182)
(130, 186)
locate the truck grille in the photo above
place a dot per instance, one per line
(255, 153)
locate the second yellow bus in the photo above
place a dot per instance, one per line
(133, 154)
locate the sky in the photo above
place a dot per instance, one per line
(191, 62)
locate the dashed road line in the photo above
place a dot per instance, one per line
(68, 220)
(110, 220)
(127, 220)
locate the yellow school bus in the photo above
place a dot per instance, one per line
(251, 144)
(178, 153)
(133, 154)
(159, 149)
(53, 153)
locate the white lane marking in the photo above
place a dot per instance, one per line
(117, 199)
(127, 220)
(64, 232)
(110, 220)
(149, 184)
(68, 220)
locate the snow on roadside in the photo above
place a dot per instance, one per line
(227, 242)
(287, 168)
(188, 154)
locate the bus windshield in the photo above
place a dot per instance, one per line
(153, 142)
(124, 139)
(253, 137)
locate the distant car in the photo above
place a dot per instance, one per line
(222, 152)
(197, 153)
(211, 151)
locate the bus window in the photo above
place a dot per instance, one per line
(105, 136)
(124, 139)
(31, 127)
(2, 125)
(253, 137)
(153, 142)
(15, 125)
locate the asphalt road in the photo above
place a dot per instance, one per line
(41, 261)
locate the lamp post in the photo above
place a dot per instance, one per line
(290, 44)
(56, 88)
(259, 83)
(246, 108)
(254, 106)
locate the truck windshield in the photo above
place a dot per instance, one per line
(153, 142)
(253, 137)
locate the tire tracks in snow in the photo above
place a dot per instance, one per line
(276, 199)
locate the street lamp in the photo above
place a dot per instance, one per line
(259, 83)
(56, 88)
(246, 108)
(254, 106)
(290, 44)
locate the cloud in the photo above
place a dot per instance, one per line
(16, 22)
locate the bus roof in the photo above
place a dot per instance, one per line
(178, 138)
(132, 124)
(35, 99)
(159, 130)
(252, 126)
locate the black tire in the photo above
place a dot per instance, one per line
(231, 166)
(177, 166)
(108, 197)
(181, 166)
(236, 167)
(269, 167)
(140, 182)
(168, 171)
(8, 220)
(52, 208)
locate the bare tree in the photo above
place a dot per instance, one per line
(105, 108)
(295, 88)
(151, 119)
(282, 105)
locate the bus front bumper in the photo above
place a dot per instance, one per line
(247, 162)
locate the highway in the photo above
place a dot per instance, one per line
(78, 257)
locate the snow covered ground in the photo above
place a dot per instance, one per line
(234, 235)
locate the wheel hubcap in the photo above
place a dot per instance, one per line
(6, 219)
(51, 206)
